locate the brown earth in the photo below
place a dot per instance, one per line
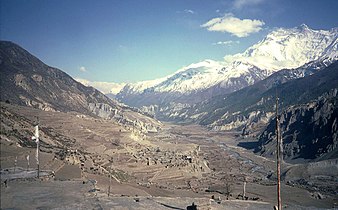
(165, 170)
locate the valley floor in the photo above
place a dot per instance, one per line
(170, 169)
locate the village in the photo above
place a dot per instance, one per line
(107, 161)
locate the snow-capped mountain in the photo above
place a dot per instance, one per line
(104, 87)
(280, 49)
(194, 77)
(290, 48)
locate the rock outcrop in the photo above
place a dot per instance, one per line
(309, 131)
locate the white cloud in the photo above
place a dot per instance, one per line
(83, 69)
(227, 43)
(233, 25)
(187, 11)
(239, 4)
(104, 87)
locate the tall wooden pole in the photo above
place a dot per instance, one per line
(244, 188)
(36, 138)
(37, 158)
(27, 162)
(279, 200)
(110, 174)
(109, 181)
(15, 163)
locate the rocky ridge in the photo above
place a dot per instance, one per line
(309, 131)
(27, 81)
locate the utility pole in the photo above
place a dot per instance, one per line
(110, 174)
(278, 136)
(244, 188)
(36, 138)
(15, 163)
(27, 162)
(109, 181)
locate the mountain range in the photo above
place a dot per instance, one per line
(27, 81)
(299, 65)
(280, 49)
(86, 135)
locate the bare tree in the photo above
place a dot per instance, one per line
(228, 189)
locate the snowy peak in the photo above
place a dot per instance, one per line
(200, 66)
(193, 77)
(280, 49)
(303, 26)
(182, 80)
(139, 87)
(289, 48)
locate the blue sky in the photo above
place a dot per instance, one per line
(134, 40)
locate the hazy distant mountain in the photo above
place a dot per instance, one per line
(25, 80)
(280, 49)
(105, 87)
